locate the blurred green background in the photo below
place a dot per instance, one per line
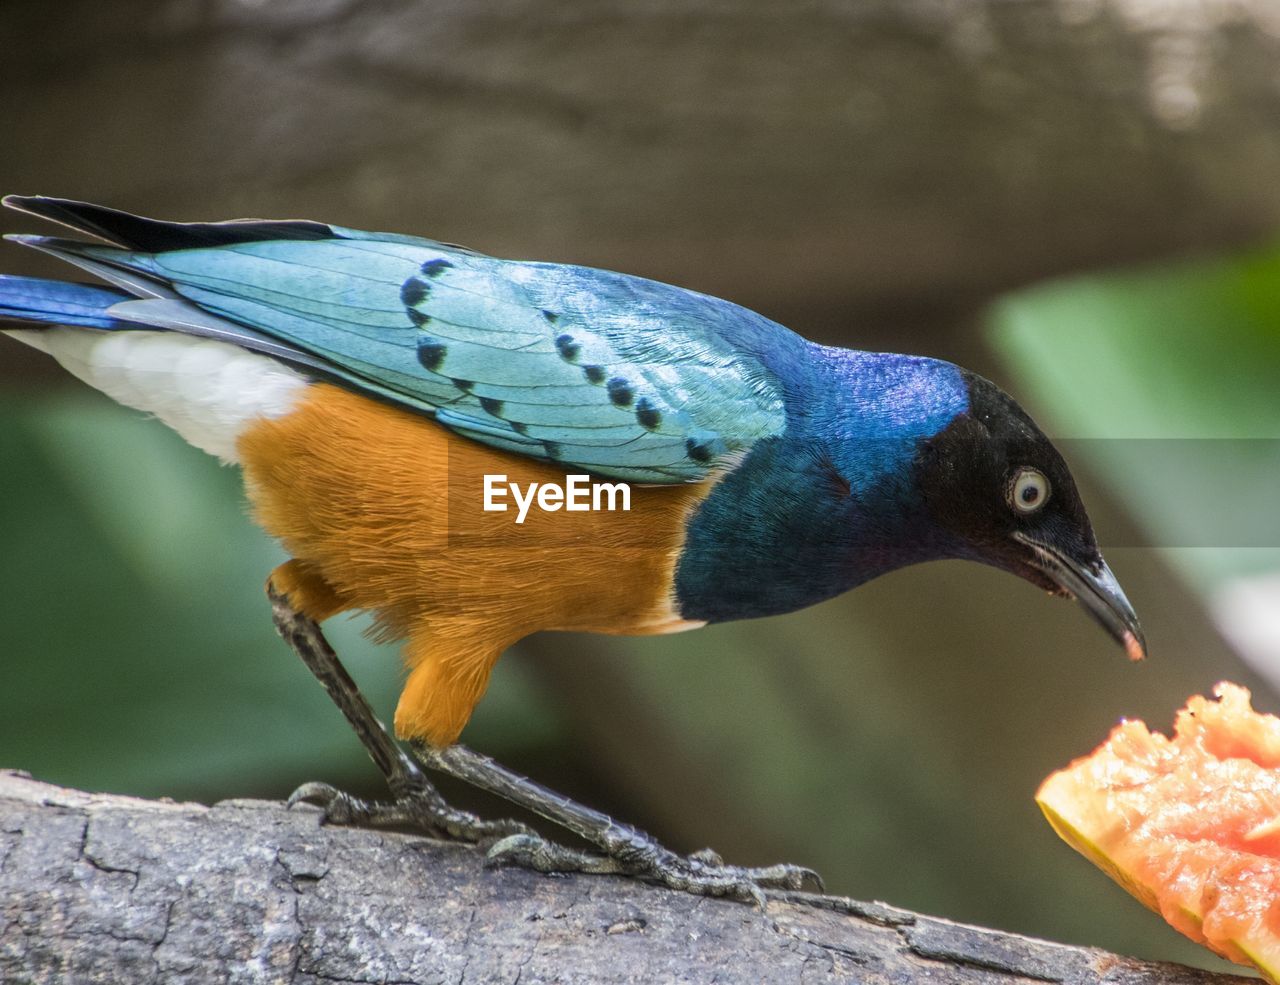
(1046, 192)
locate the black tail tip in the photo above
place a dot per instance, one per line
(59, 210)
(135, 232)
(20, 202)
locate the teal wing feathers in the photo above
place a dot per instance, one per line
(613, 374)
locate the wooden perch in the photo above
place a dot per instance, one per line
(100, 888)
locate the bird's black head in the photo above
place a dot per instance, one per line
(1002, 491)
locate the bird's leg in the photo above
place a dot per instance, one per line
(624, 849)
(416, 804)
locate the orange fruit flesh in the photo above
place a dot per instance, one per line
(1189, 825)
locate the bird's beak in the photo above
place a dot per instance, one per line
(1096, 588)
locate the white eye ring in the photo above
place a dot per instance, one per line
(1029, 490)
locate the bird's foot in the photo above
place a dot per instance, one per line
(632, 853)
(619, 848)
(421, 809)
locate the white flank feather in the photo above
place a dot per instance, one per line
(207, 391)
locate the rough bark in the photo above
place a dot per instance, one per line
(99, 888)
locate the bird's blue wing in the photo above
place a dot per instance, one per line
(612, 374)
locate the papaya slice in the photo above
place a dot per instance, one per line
(1190, 825)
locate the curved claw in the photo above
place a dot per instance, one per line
(517, 849)
(338, 807)
(795, 877)
(314, 792)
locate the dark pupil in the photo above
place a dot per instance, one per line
(1030, 494)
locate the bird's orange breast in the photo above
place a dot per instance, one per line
(383, 510)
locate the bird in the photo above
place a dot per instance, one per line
(372, 386)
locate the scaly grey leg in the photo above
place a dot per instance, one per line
(417, 803)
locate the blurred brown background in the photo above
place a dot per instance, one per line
(870, 174)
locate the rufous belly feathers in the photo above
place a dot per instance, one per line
(382, 510)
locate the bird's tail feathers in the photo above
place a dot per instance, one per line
(33, 301)
(155, 235)
(126, 269)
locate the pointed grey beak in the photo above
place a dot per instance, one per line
(1096, 589)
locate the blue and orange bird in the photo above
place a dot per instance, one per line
(367, 383)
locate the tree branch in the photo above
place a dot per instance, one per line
(101, 888)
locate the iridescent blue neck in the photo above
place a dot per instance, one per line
(830, 503)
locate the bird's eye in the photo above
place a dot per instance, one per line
(1028, 491)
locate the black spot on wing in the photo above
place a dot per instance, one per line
(550, 316)
(620, 392)
(699, 451)
(466, 386)
(434, 268)
(552, 448)
(417, 317)
(491, 406)
(431, 353)
(413, 292)
(519, 428)
(594, 374)
(648, 415)
(568, 348)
